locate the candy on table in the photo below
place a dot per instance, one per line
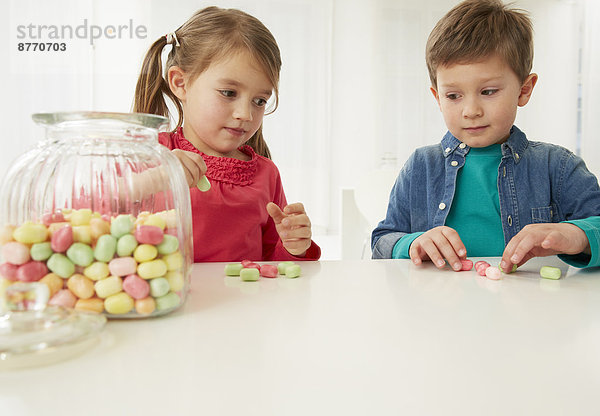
(514, 269)
(233, 269)
(493, 273)
(549, 272)
(268, 270)
(203, 184)
(249, 274)
(466, 265)
(292, 271)
(283, 265)
(246, 263)
(481, 266)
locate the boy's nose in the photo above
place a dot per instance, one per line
(472, 108)
(242, 111)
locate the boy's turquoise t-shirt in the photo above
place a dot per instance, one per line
(475, 210)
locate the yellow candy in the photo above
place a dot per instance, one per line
(56, 226)
(99, 227)
(152, 269)
(155, 220)
(145, 306)
(54, 282)
(82, 234)
(176, 281)
(81, 286)
(96, 271)
(145, 252)
(174, 261)
(90, 305)
(109, 286)
(81, 217)
(6, 234)
(30, 233)
(170, 218)
(118, 304)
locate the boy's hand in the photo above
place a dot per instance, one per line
(293, 227)
(438, 244)
(547, 239)
(193, 166)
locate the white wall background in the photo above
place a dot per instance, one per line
(354, 86)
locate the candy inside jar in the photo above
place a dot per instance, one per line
(100, 213)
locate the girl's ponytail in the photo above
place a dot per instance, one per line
(151, 85)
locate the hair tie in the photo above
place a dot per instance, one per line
(172, 38)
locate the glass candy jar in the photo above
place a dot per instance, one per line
(100, 212)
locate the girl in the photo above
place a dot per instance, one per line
(221, 72)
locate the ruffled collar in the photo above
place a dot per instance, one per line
(219, 168)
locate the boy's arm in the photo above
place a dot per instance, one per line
(591, 227)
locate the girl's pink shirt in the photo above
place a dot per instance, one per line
(230, 221)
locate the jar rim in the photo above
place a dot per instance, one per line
(142, 119)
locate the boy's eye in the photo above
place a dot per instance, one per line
(452, 96)
(489, 92)
(227, 93)
(261, 102)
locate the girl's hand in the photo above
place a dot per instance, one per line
(438, 244)
(293, 227)
(547, 239)
(193, 166)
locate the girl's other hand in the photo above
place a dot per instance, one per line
(193, 166)
(438, 244)
(293, 227)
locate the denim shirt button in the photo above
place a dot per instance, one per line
(462, 145)
(509, 219)
(454, 163)
(447, 150)
(442, 205)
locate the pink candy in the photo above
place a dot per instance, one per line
(64, 298)
(32, 271)
(136, 287)
(268, 270)
(9, 271)
(16, 253)
(148, 234)
(493, 273)
(466, 265)
(62, 239)
(248, 264)
(49, 218)
(480, 266)
(122, 266)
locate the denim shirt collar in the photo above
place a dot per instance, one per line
(514, 146)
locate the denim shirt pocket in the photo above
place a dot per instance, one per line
(543, 214)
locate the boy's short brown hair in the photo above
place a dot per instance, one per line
(476, 29)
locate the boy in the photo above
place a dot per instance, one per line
(486, 190)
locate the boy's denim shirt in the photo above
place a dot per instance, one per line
(537, 182)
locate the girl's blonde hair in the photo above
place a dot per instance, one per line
(209, 35)
(474, 30)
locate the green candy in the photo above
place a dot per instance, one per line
(283, 265)
(168, 301)
(249, 274)
(61, 265)
(233, 269)
(126, 245)
(203, 184)
(514, 269)
(41, 251)
(121, 225)
(105, 248)
(80, 254)
(159, 287)
(169, 245)
(292, 271)
(548, 272)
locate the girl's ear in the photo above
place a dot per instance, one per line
(527, 89)
(177, 79)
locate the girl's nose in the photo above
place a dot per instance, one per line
(242, 111)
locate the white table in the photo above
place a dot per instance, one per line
(347, 338)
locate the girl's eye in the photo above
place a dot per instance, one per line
(227, 93)
(261, 102)
(489, 92)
